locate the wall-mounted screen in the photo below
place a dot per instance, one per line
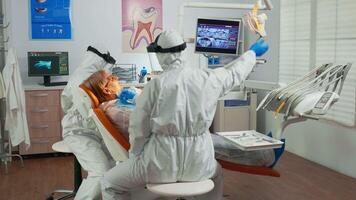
(217, 36)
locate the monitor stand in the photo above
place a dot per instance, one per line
(47, 82)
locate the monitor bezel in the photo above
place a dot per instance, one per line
(217, 51)
(40, 75)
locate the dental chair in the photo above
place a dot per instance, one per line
(116, 143)
(118, 146)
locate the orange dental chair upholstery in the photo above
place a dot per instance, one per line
(118, 146)
(116, 143)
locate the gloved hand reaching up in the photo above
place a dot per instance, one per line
(259, 47)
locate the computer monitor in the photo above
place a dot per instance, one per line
(217, 36)
(48, 64)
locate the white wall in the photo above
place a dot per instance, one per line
(331, 145)
(99, 22)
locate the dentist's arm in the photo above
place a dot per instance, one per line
(238, 70)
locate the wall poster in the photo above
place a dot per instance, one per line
(141, 23)
(50, 19)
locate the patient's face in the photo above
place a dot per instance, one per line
(112, 85)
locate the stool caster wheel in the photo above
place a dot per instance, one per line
(50, 198)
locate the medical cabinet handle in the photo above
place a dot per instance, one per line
(40, 110)
(40, 127)
(40, 95)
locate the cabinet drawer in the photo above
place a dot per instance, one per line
(44, 129)
(39, 145)
(42, 114)
(42, 98)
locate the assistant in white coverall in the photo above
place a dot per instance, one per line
(169, 128)
(80, 132)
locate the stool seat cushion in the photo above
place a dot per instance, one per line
(61, 147)
(181, 189)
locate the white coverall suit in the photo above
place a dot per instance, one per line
(169, 128)
(81, 134)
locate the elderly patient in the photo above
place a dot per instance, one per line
(118, 103)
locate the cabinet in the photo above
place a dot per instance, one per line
(44, 115)
(234, 114)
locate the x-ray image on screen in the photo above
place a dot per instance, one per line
(44, 65)
(217, 36)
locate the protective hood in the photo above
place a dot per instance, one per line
(167, 42)
(168, 47)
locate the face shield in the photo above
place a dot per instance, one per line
(155, 66)
(158, 45)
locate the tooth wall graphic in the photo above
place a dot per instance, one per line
(141, 23)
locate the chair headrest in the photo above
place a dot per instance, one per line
(94, 100)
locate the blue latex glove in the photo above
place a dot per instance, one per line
(127, 96)
(259, 47)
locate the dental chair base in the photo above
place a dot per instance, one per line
(62, 147)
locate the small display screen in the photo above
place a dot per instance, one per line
(217, 36)
(48, 63)
(323, 100)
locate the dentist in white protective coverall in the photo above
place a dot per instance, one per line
(80, 132)
(169, 128)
